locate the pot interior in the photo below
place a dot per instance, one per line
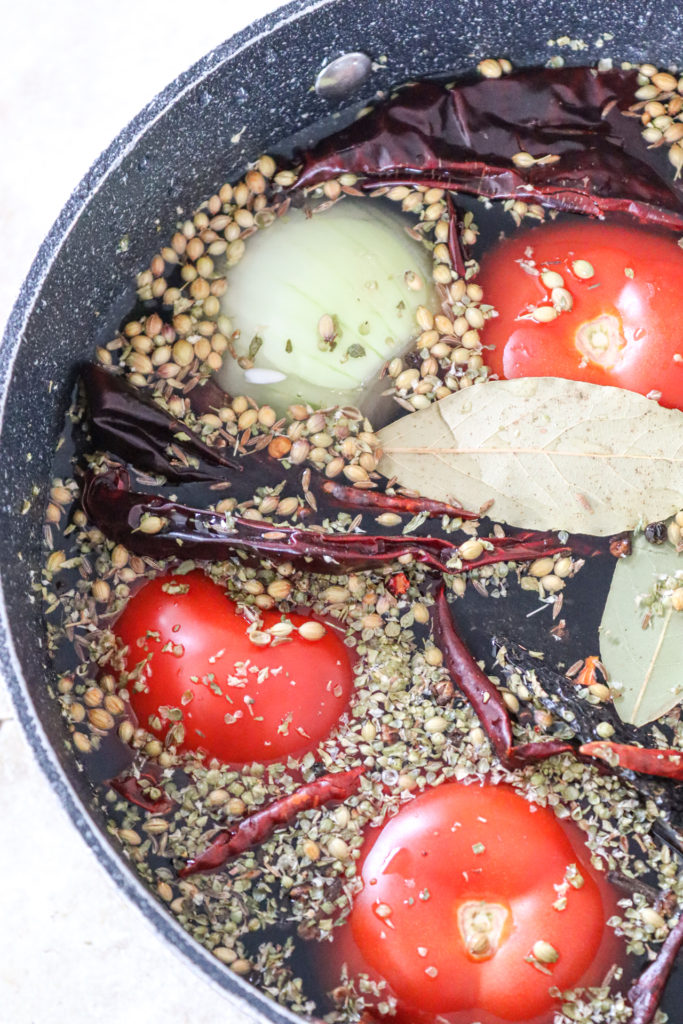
(251, 95)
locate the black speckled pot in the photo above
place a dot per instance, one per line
(257, 87)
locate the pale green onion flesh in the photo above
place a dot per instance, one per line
(353, 266)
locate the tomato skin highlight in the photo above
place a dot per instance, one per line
(483, 849)
(622, 329)
(194, 654)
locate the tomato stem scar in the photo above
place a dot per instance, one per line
(601, 340)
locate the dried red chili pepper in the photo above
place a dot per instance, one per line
(482, 694)
(123, 421)
(646, 994)
(196, 533)
(464, 139)
(130, 788)
(260, 825)
(651, 761)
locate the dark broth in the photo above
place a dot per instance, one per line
(259, 905)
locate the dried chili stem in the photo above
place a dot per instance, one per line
(482, 694)
(601, 164)
(648, 760)
(126, 423)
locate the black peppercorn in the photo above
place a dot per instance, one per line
(655, 533)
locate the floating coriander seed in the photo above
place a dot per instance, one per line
(321, 303)
(151, 524)
(338, 848)
(523, 160)
(490, 68)
(545, 952)
(652, 919)
(551, 279)
(312, 630)
(583, 269)
(605, 730)
(544, 314)
(562, 299)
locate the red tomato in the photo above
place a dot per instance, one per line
(238, 701)
(459, 909)
(623, 328)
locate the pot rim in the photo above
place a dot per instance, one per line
(256, 1004)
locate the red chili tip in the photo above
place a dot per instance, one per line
(646, 760)
(131, 790)
(213, 857)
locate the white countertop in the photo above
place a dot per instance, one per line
(73, 73)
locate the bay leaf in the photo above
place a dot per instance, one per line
(648, 663)
(550, 454)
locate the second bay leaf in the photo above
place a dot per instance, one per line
(551, 454)
(647, 663)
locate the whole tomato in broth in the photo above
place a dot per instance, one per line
(241, 695)
(590, 302)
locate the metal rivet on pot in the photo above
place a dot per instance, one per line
(341, 76)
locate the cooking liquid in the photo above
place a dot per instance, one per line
(513, 615)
